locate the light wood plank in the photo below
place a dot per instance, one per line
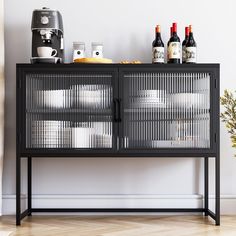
(119, 226)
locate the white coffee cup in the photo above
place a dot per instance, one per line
(46, 52)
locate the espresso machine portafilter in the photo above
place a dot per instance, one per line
(47, 31)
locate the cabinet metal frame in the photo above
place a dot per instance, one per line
(118, 71)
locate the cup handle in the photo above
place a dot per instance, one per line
(54, 52)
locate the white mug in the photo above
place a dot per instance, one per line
(46, 52)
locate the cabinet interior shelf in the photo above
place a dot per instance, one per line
(71, 110)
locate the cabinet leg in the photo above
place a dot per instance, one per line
(29, 177)
(217, 189)
(206, 185)
(18, 189)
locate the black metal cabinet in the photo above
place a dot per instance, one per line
(98, 110)
(118, 110)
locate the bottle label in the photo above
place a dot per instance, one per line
(158, 54)
(191, 54)
(174, 50)
(184, 54)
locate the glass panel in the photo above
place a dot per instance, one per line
(166, 110)
(69, 110)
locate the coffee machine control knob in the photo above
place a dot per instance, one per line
(44, 20)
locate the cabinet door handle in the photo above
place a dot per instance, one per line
(119, 110)
(115, 110)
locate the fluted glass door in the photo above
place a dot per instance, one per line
(70, 110)
(165, 110)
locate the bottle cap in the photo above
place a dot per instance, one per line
(190, 28)
(171, 31)
(158, 29)
(174, 26)
(187, 31)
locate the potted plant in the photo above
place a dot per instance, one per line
(228, 116)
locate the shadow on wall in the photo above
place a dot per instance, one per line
(17, 50)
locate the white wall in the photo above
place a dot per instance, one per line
(126, 27)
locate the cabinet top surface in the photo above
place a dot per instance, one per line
(149, 65)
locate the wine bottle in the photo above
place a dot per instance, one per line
(191, 48)
(171, 33)
(158, 47)
(184, 45)
(174, 48)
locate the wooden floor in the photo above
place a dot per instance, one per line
(119, 226)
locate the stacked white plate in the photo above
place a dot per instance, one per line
(103, 134)
(189, 100)
(59, 134)
(82, 137)
(91, 96)
(52, 98)
(50, 134)
(92, 135)
(150, 99)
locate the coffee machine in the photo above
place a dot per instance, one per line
(47, 31)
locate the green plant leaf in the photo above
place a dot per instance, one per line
(228, 116)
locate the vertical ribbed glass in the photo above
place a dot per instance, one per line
(69, 110)
(166, 110)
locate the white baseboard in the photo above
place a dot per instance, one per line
(9, 204)
(228, 202)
